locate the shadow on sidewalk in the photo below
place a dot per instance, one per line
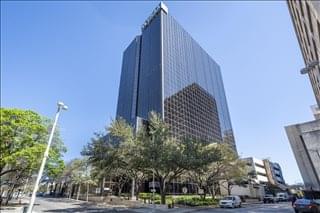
(80, 206)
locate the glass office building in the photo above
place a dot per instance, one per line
(165, 70)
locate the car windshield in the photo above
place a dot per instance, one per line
(227, 198)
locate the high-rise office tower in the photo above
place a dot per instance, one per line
(165, 70)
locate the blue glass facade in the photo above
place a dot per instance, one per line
(177, 79)
(128, 89)
(150, 70)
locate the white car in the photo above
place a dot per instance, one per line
(282, 196)
(230, 201)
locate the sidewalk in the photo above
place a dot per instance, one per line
(15, 206)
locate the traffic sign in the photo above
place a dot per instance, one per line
(184, 190)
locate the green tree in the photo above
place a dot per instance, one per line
(165, 156)
(78, 173)
(229, 170)
(23, 140)
(203, 156)
(129, 153)
(153, 150)
(103, 156)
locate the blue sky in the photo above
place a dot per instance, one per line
(72, 51)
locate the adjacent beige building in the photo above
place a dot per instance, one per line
(306, 19)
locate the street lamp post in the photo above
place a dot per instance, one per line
(45, 156)
(309, 67)
(153, 188)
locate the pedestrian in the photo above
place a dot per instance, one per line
(294, 198)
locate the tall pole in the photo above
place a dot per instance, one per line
(153, 187)
(45, 156)
(132, 189)
(153, 190)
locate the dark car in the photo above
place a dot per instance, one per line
(269, 198)
(40, 194)
(307, 205)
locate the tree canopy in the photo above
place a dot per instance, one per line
(23, 139)
(124, 152)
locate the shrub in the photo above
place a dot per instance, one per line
(148, 196)
(195, 201)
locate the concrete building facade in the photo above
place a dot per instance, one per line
(256, 169)
(274, 174)
(261, 173)
(306, 19)
(305, 142)
(304, 138)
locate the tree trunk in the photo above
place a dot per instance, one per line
(51, 188)
(9, 195)
(119, 190)
(162, 191)
(211, 190)
(70, 191)
(102, 187)
(73, 190)
(25, 186)
(78, 194)
(87, 192)
(60, 188)
(55, 188)
(48, 188)
(229, 188)
(217, 188)
(137, 192)
(133, 189)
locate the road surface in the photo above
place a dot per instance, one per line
(65, 205)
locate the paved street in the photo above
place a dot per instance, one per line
(253, 208)
(65, 205)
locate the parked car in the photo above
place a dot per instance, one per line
(282, 196)
(40, 194)
(306, 205)
(269, 198)
(309, 203)
(230, 201)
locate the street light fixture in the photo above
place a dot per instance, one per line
(309, 67)
(61, 106)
